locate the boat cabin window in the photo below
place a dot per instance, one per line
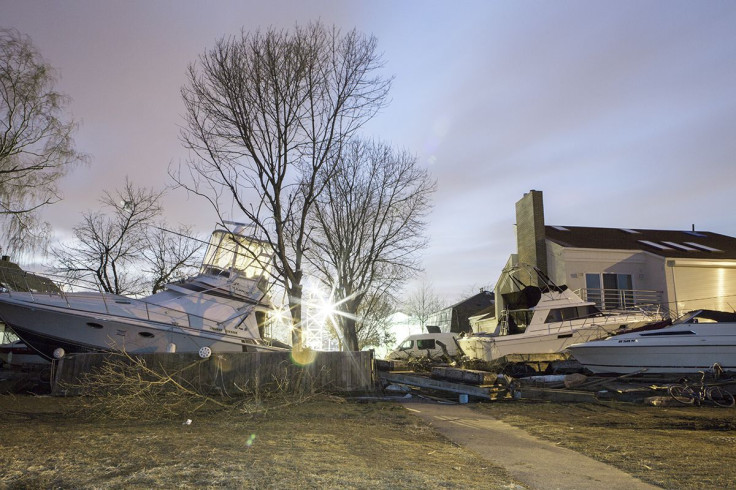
(423, 344)
(228, 251)
(571, 313)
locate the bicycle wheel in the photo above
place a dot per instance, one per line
(720, 397)
(681, 393)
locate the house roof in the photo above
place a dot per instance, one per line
(666, 243)
(477, 301)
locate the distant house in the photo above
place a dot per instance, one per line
(455, 318)
(680, 269)
(13, 278)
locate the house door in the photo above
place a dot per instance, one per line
(608, 290)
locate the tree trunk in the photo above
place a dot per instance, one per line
(350, 334)
(295, 305)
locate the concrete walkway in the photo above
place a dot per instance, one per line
(533, 462)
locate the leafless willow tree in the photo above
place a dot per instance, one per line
(368, 229)
(422, 302)
(36, 147)
(109, 244)
(267, 112)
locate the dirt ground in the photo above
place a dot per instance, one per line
(328, 443)
(671, 447)
(324, 443)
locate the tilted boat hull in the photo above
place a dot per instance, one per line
(224, 307)
(47, 328)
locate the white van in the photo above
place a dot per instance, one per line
(432, 345)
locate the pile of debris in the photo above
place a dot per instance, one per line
(530, 384)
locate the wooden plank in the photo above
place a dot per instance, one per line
(531, 393)
(384, 365)
(546, 357)
(436, 384)
(468, 376)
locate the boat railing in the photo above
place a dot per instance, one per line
(14, 280)
(517, 321)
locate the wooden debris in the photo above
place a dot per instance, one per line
(412, 379)
(573, 380)
(555, 395)
(662, 401)
(468, 376)
(383, 365)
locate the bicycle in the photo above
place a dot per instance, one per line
(689, 394)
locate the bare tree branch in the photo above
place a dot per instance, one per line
(170, 256)
(368, 228)
(111, 247)
(422, 303)
(266, 114)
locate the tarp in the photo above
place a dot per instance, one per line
(527, 298)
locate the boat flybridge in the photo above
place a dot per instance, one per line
(539, 317)
(223, 308)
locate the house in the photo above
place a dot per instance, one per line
(13, 278)
(681, 270)
(455, 318)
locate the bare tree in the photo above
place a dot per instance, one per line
(108, 245)
(368, 228)
(170, 255)
(374, 325)
(36, 147)
(423, 302)
(266, 113)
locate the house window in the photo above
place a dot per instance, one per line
(610, 291)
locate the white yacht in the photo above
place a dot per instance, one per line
(224, 308)
(546, 318)
(694, 343)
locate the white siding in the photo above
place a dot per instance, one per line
(696, 284)
(569, 266)
(686, 284)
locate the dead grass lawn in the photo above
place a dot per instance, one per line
(326, 443)
(672, 447)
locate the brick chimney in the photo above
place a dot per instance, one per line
(530, 236)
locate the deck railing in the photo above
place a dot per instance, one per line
(615, 299)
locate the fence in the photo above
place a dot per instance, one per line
(233, 373)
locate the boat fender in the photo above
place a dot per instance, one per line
(171, 348)
(205, 352)
(59, 353)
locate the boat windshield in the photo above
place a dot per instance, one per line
(227, 251)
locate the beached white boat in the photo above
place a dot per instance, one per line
(547, 319)
(689, 345)
(223, 308)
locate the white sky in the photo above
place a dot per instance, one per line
(623, 113)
